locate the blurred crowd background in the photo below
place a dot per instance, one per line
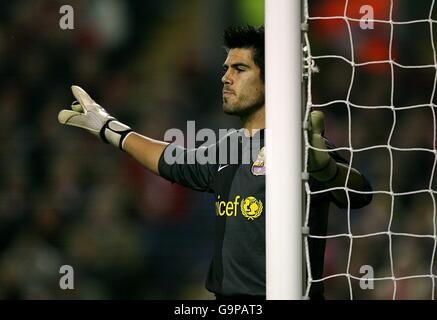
(68, 199)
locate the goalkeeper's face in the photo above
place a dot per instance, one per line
(243, 88)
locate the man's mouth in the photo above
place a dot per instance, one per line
(228, 92)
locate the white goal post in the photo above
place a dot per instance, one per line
(284, 144)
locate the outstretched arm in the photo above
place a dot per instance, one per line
(87, 114)
(145, 150)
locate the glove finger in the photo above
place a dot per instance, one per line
(65, 116)
(83, 97)
(317, 122)
(75, 106)
(77, 119)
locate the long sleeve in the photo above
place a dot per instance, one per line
(182, 166)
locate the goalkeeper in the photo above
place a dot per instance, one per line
(238, 266)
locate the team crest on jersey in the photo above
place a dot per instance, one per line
(251, 208)
(258, 167)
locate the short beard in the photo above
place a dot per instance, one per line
(245, 111)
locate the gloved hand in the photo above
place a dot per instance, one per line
(87, 114)
(320, 164)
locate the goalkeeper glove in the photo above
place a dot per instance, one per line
(320, 165)
(87, 114)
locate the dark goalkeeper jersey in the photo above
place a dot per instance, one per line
(238, 265)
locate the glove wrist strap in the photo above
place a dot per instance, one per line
(115, 132)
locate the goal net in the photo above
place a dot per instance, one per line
(371, 67)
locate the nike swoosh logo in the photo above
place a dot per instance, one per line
(222, 167)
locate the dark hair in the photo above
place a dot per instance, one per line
(247, 37)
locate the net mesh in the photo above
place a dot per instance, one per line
(377, 88)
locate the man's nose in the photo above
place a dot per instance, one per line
(226, 79)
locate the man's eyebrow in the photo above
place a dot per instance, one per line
(236, 65)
